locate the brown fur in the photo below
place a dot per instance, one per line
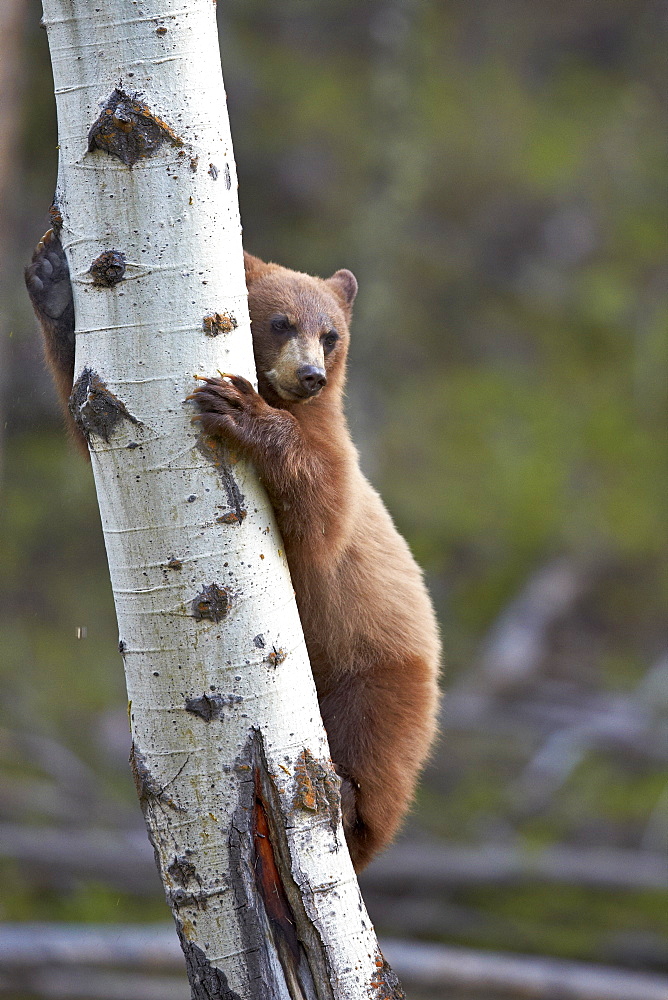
(48, 282)
(368, 621)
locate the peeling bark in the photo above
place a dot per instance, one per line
(226, 730)
(218, 323)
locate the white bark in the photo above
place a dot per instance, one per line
(222, 704)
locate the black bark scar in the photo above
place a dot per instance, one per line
(128, 129)
(206, 981)
(212, 603)
(96, 410)
(215, 452)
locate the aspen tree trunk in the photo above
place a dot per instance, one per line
(229, 754)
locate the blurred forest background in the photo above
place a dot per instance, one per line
(494, 174)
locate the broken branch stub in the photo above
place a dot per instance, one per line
(108, 269)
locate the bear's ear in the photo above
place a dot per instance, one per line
(254, 267)
(344, 284)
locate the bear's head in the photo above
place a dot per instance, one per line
(300, 330)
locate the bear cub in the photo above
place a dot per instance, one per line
(369, 625)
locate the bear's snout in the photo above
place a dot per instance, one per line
(311, 379)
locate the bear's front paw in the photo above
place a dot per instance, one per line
(48, 278)
(228, 406)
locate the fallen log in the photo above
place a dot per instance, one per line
(431, 868)
(490, 974)
(55, 856)
(49, 953)
(124, 860)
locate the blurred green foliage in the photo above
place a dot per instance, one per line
(50, 536)
(495, 176)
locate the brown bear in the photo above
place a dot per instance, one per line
(369, 625)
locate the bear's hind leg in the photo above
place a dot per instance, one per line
(380, 724)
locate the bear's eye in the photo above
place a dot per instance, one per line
(329, 340)
(280, 324)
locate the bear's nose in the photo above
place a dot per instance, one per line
(311, 379)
